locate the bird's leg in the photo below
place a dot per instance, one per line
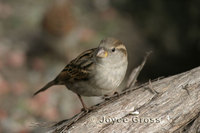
(84, 107)
(115, 94)
(106, 97)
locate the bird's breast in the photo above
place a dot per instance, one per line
(110, 77)
(102, 81)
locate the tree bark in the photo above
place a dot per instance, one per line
(171, 104)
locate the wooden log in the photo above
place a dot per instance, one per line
(171, 104)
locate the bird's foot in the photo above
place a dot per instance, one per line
(107, 97)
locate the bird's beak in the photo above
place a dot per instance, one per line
(102, 53)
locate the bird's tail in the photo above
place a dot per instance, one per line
(51, 83)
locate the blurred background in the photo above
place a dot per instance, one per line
(39, 37)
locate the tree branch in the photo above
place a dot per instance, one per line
(176, 106)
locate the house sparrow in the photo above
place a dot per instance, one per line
(95, 72)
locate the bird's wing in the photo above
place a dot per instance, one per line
(78, 69)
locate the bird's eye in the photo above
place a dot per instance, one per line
(113, 49)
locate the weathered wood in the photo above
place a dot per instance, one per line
(195, 126)
(139, 110)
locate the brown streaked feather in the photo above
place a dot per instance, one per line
(48, 85)
(122, 48)
(77, 69)
(116, 43)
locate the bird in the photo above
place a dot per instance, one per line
(95, 72)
